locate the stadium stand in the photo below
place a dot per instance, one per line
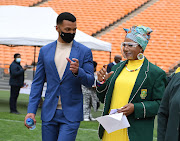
(20, 2)
(95, 15)
(90, 16)
(164, 18)
(7, 54)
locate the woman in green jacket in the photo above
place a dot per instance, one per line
(134, 87)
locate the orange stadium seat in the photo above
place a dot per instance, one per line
(97, 14)
(19, 2)
(27, 54)
(163, 48)
(93, 16)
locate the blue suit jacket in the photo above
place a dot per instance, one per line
(69, 87)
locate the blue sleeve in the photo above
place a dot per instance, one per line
(86, 73)
(37, 85)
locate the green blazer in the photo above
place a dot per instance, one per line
(169, 112)
(146, 96)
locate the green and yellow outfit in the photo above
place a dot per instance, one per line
(144, 88)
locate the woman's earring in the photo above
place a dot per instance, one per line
(140, 56)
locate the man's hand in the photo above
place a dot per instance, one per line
(127, 109)
(74, 66)
(29, 115)
(103, 75)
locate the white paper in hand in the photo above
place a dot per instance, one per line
(113, 122)
(113, 111)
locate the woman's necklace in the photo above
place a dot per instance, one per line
(132, 70)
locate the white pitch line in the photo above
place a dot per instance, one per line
(89, 129)
(16, 121)
(11, 120)
(40, 124)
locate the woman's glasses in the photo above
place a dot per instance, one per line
(129, 44)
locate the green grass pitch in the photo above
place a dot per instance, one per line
(12, 126)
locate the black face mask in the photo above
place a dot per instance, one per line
(67, 37)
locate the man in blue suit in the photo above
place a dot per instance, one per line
(67, 65)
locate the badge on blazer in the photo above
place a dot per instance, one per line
(143, 93)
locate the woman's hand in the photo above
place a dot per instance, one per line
(127, 109)
(103, 75)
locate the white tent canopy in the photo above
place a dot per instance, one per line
(35, 26)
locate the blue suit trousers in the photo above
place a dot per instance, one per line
(59, 128)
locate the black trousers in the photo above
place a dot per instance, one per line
(13, 98)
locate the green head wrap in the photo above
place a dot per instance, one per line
(139, 34)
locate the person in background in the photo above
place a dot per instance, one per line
(117, 59)
(90, 98)
(134, 87)
(67, 65)
(16, 81)
(169, 111)
(172, 75)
